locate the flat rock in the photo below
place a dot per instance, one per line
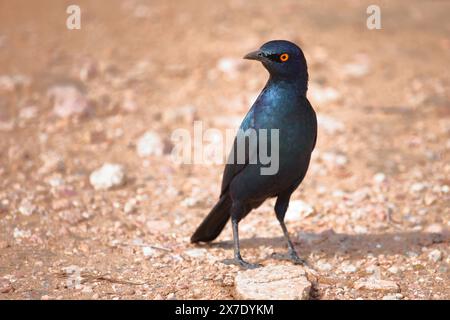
(273, 283)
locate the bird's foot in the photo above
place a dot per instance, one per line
(246, 265)
(296, 259)
(242, 263)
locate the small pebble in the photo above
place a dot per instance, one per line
(6, 286)
(393, 270)
(150, 144)
(379, 178)
(26, 208)
(108, 176)
(298, 210)
(348, 268)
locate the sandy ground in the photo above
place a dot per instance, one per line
(377, 192)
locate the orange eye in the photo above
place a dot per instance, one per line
(284, 57)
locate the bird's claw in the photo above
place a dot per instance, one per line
(296, 259)
(247, 265)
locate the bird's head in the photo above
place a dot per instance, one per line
(283, 59)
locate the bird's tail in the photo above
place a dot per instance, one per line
(214, 222)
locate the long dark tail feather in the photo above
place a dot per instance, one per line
(214, 222)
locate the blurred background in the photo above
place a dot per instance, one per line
(86, 179)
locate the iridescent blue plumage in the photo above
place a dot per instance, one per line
(281, 105)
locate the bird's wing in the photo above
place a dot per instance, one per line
(314, 124)
(232, 168)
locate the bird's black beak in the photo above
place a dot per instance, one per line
(255, 55)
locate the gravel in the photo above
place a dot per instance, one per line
(378, 184)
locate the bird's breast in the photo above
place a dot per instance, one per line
(291, 115)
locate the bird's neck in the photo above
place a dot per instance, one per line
(298, 82)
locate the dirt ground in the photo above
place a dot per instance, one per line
(377, 191)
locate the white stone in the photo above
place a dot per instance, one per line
(393, 270)
(357, 68)
(130, 206)
(321, 94)
(230, 66)
(324, 266)
(68, 100)
(379, 177)
(108, 176)
(435, 255)
(196, 253)
(6, 286)
(171, 296)
(348, 268)
(334, 158)
(9, 83)
(185, 114)
(417, 187)
(360, 229)
(298, 210)
(150, 144)
(149, 251)
(87, 289)
(434, 228)
(27, 208)
(29, 112)
(273, 283)
(55, 182)
(18, 234)
(376, 284)
(189, 202)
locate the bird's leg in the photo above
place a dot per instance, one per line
(292, 253)
(280, 210)
(237, 251)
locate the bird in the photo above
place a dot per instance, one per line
(282, 105)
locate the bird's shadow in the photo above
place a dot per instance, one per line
(331, 244)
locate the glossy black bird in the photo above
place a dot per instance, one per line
(281, 105)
